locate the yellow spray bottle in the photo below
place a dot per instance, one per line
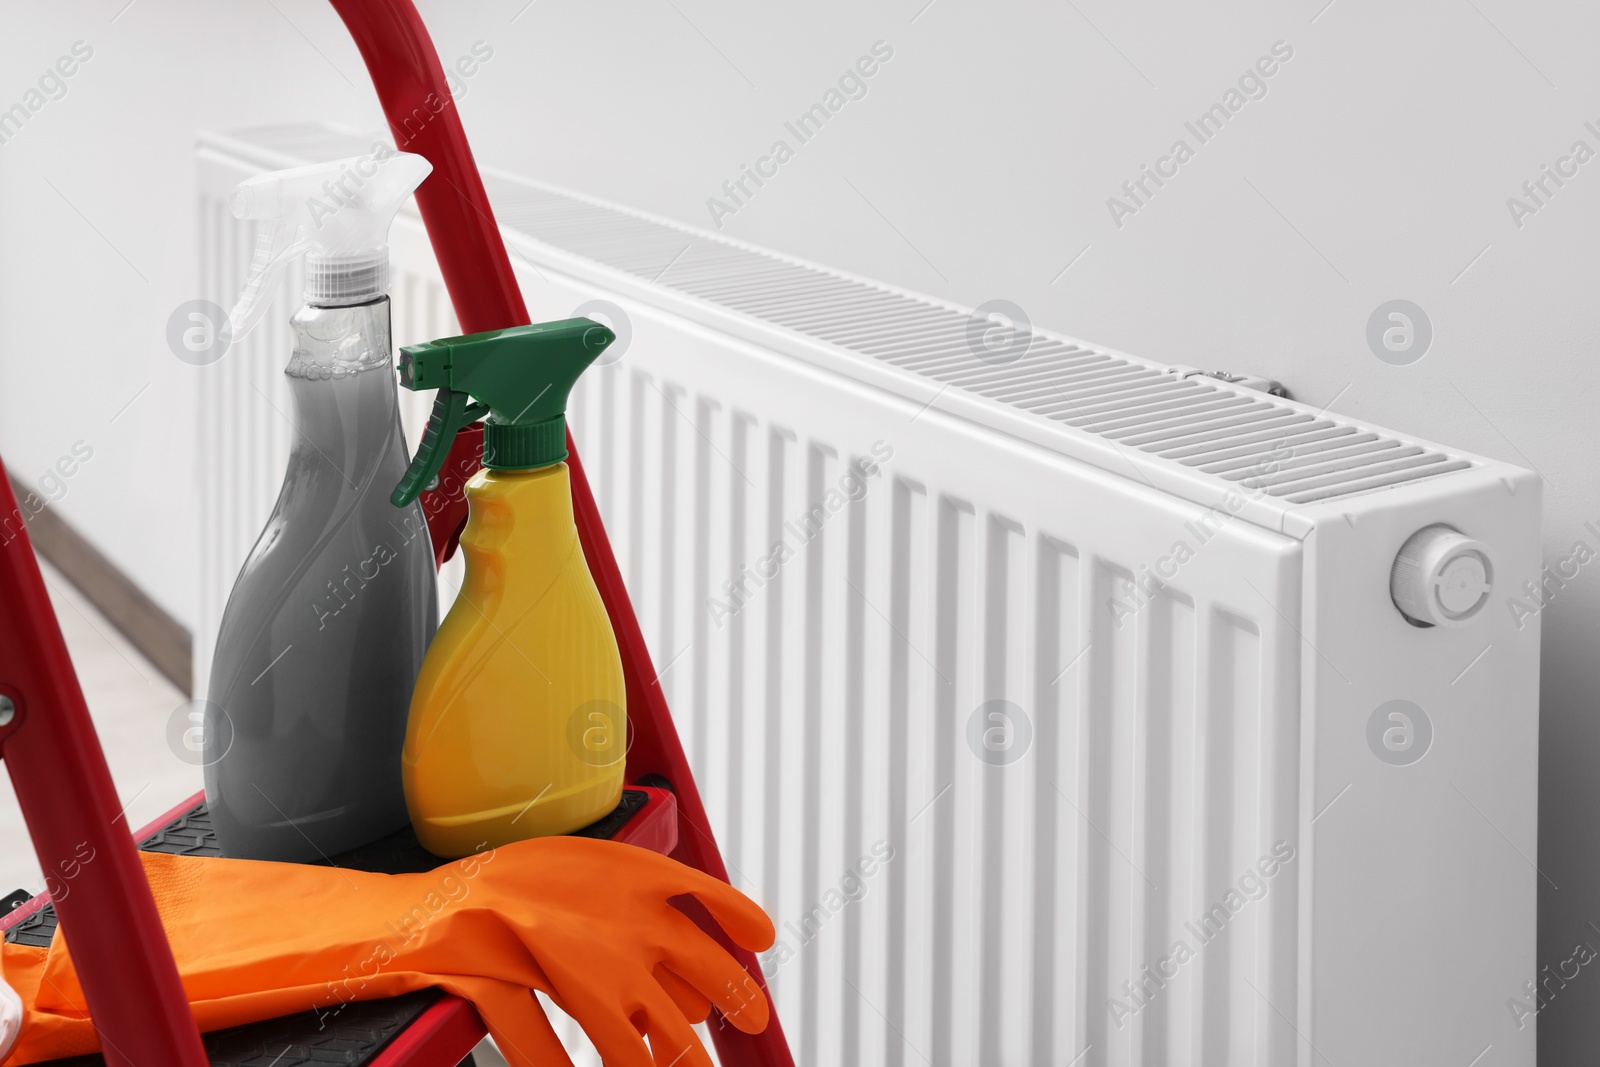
(517, 726)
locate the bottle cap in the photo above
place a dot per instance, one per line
(335, 214)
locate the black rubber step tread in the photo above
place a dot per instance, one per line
(13, 900)
(190, 834)
(402, 853)
(352, 1036)
(36, 930)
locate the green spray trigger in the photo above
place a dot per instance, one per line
(452, 411)
(519, 377)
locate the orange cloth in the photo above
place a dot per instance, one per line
(586, 922)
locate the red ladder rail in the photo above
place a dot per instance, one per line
(405, 70)
(64, 789)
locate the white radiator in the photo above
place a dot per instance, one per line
(1054, 703)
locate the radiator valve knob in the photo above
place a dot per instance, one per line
(1441, 577)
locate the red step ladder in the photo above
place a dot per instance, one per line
(49, 744)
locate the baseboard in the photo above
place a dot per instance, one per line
(161, 639)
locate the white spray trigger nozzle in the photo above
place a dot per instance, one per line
(335, 214)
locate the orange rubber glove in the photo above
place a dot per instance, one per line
(586, 922)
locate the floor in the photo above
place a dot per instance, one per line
(132, 706)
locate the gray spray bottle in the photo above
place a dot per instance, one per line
(328, 621)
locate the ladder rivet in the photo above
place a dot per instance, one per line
(8, 710)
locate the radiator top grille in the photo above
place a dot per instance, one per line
(1259, 442)
(1255, 440)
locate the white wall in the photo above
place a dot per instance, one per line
(98, 245)
(978, 166)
